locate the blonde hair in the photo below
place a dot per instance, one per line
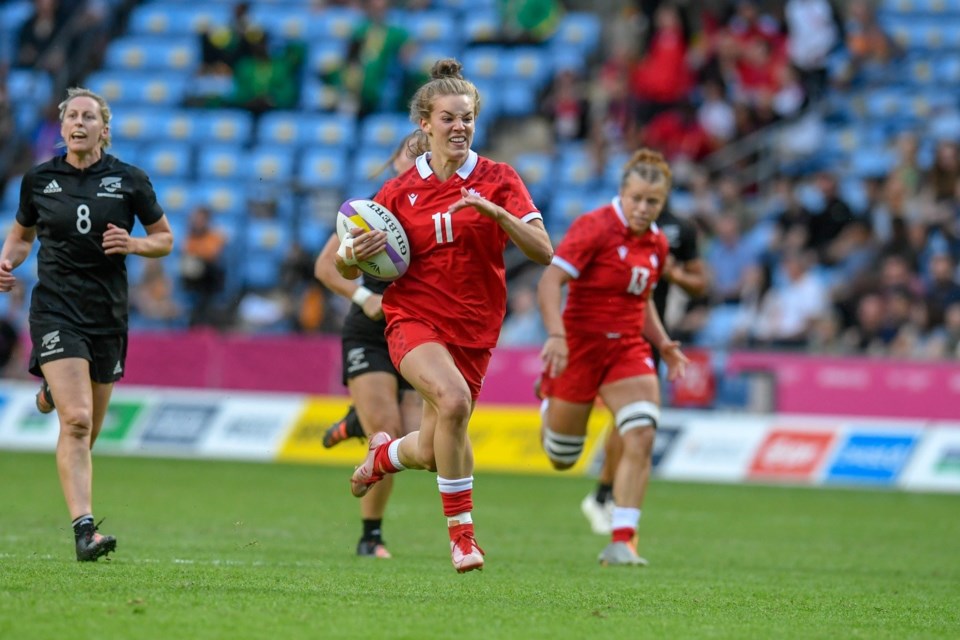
(80, 92)
(649, 165)
(445, 80)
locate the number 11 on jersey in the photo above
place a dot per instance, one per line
(443, 226)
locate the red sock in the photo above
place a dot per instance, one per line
(381, 460)
(459, 530)
(459, 502)
(624, 534)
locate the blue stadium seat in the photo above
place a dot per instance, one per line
(222, 162)
(14, 14)
(575, 169)
(137, 124)
(325, 57)
(333, 23)
(165, 160)
(175, 196)
(432, 26)
(485, 63)
(160, 18)
(481, 25)
(491, 99)
(323, 168)
(226, 198)
(535, 169)
(368, 163)
(297, 128)
(29, 86)
(567, 204)
(578, 31)
(260, 271)
(180, 53)
(318, 96)
(11, 196)
(528, 64)
(946, 70)
(280, 21)
(132, 88)
(127, 151)
(270, 164)
(222, 125)
(872, 162)
(384, 130)
(518, 98)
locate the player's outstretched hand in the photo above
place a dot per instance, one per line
(676, 361)
(7, 279)
(117, 241)
(478, 202)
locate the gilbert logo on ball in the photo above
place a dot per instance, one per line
(361, 213)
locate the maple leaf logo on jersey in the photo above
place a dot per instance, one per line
(111, 184)
(474, 192)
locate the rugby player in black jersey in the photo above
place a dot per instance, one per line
(82, 206)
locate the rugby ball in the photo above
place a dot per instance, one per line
(392, 262)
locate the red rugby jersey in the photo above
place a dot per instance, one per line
(456, 281)
(613, 271)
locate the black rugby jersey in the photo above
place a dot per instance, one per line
(682, 235)
(78, 284)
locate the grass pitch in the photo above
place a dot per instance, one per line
(242, 550)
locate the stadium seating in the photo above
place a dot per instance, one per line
(139, 53)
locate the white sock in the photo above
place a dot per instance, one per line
(393, 451)
(625, 518)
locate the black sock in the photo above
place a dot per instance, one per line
(371, 529)
(354, 430)
(604, 491)
(82, 524)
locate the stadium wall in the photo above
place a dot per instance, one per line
(707, 446)
(799, 383)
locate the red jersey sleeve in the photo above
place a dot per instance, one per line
(579, 245)
(514, 197)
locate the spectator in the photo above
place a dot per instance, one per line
(728, 260)
(528, 21)
(262, 82)
(868, 46)
(201, 267)
(523, 325)
(661, 79)
(942, 289)
(221, 46)
(790, 309)
(678, 135)
(828, 223)
(567, 108)
(152, 297)
(944, 176)
(715, 115)
(377, 52)
(814, 31)
(39, 41)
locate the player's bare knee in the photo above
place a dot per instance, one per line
(455, 405)
(562, 450)
(76, 423)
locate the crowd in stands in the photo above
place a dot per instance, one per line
(822, 256)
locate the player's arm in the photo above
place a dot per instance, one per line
(531, 237)
(325, 269)
(157, 243)
(669, 349)
(691, 276)
(15, 250)
(549, 297)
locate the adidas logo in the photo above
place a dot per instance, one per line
(117, 369)
(53, 187)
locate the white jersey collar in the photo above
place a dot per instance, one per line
(425, 170)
